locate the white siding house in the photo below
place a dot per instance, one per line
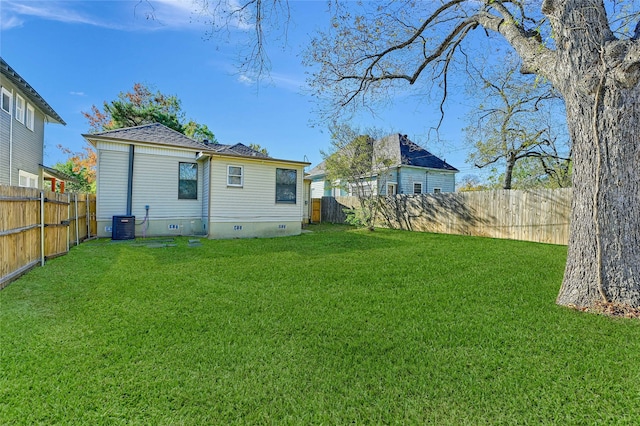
(176, 186)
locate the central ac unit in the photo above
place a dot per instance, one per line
(123, 228)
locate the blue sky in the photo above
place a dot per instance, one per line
(80, 53)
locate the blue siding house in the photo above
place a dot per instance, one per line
(413, 170)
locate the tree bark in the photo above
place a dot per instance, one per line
(600, 88)
(508, 175)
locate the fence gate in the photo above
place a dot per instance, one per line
(316, 207)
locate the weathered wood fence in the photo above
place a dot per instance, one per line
(37, 225)
(536, 215)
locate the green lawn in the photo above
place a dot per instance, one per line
(332, 327)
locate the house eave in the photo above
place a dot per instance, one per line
(256, 159)
(31, 93)
(93, 139)
(199, 151)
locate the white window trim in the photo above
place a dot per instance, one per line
(20, 110)
(30, 119)
(395, 185)
(10, 97)
(30, 180)
(241, 175)
(437, 190)
(414, 188)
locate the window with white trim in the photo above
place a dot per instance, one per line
(30, 117)
(5, 101)
(417, 188)
(392, 188)
(20, 108)
(437, 190)
(27, 180)
(235, 176)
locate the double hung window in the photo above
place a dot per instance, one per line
(286, 186)
(188, 181)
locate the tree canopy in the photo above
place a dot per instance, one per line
(80, 165)
(516, 128)
(142, 106)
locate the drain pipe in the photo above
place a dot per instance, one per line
(130, 181)
(11, 114)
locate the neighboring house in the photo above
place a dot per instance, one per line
(174, 185)
(412, 170)
(23, 114)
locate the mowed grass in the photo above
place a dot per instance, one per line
(333, 327)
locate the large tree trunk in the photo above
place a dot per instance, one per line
(603, 113)
(508, 176)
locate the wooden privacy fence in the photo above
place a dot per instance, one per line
(37, 225)
(536, 215)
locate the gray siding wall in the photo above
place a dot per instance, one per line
(206, 176)
(111, 189)
(430, 179)
(28, 145)
(445, 181)
(155, 183)
(256, 200)
(5, 123)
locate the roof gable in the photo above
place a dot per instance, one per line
(414, 155)
(29, 92)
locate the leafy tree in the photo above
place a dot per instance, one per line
(513, 124)
(80, 165)
(470, 183)
(353, 164)
(134, 108)
(141, 106)
(257, 147)
(588, 51)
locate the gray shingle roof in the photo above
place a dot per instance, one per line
(159, 134)
(237, 149)
(154, 133)
(29, 92)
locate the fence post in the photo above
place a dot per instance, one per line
(68, 218)
(41, 228)
(77, 224)
(88, 218)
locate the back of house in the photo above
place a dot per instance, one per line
(172, 185)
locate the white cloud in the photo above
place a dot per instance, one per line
(288, 82)
(246, 80)
(147, 15)
(8, 22)
(77, 93)
(51, 10)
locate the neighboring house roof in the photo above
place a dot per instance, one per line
(412, 154)
(400, 151)
(30, 92)
(319, 170)
(57, 174)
